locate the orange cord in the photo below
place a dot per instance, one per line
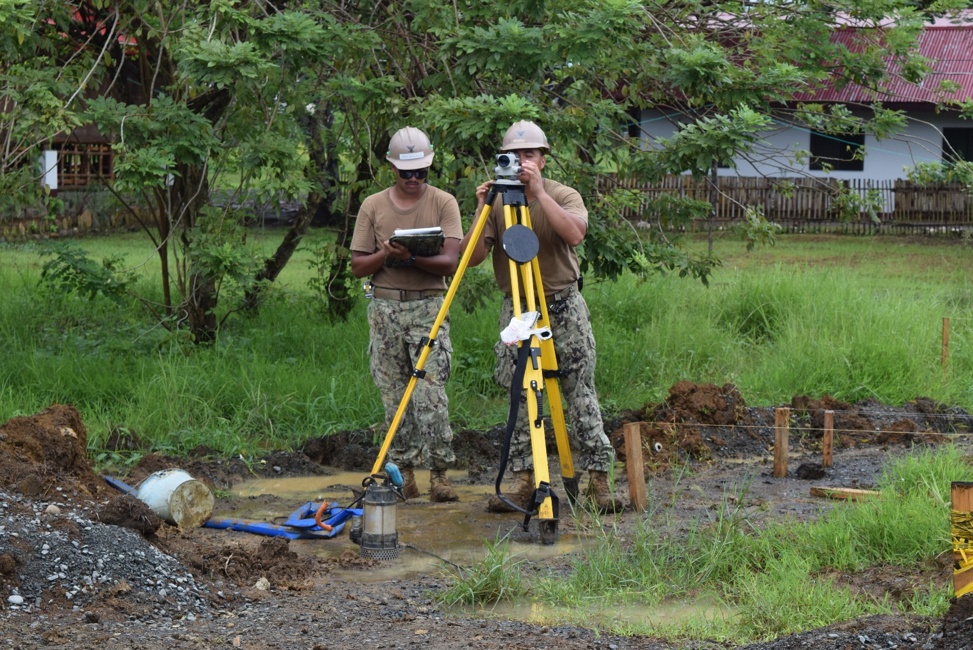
(317, 517)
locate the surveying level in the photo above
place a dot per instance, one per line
(536, 368)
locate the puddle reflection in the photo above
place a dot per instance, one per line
(631, 615)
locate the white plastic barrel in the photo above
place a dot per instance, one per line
(177, 497)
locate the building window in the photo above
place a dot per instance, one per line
(81, 164)
(957, 144)
(837, 152)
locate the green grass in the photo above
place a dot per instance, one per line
(846, 316)
(494, 579)
(771, 578)
(850, 317)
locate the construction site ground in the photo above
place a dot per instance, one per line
(83, 565)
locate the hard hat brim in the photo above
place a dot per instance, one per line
(408, 165)
(520, 147)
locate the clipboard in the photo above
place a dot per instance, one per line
(421, 242)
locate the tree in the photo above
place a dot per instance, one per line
(299, 98)
(202, 92)
(723, 73)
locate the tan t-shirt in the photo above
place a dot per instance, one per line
(379, 218)
(558, 261)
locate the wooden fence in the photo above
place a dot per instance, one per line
(805, 204)
(797, 204)
(82, 212)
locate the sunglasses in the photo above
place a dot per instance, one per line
(406, 174)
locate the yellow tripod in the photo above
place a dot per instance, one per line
(536, 367)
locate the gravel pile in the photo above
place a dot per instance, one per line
(52, 551)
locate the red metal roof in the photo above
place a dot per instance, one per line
(950, 50)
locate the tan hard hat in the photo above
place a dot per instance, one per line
(525, 135)
(409, 148)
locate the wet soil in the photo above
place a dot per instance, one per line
(83, 565)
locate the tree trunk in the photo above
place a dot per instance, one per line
(201, 308)
(323, 167)
(190, 193)
(340, 301)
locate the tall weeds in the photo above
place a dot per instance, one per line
(842, 317)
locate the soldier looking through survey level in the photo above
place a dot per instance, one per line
(560, 221)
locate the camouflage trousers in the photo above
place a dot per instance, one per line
(574, 345)
(423, 437)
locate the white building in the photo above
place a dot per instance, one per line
(932, 135)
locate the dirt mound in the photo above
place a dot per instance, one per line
(68, 539)
(46, 455)
(127, 511)
(691, 403)
(245, 566)
(850, 426)
(918, 421)
(690, 425)
(703, 422)
(350, 450)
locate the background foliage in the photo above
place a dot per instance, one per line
(298, 100)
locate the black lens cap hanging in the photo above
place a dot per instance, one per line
(520, 243)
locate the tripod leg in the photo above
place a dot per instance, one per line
(534, 389)
(568, 476)
(549, 358)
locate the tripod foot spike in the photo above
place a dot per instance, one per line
(548, 531)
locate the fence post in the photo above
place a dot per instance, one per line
(782, 417)
(634, 467)
(828, 440)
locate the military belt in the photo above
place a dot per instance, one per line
(405, 295)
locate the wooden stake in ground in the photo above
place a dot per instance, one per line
(828, 440)
(634, 466)
(782, 420)
(961, 530)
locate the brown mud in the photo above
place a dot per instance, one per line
(83, 565)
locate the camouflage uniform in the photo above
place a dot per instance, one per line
(574, 345)
(397, 329)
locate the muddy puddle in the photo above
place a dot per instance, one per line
(437, 537)
(431, 535)
(634, 616)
